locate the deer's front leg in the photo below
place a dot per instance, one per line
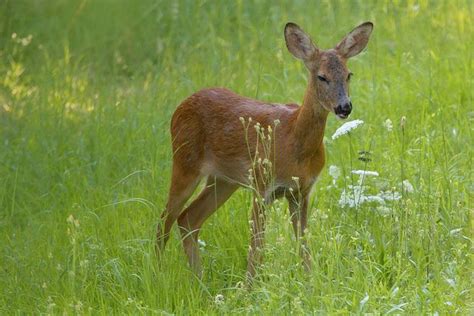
(299, 218)
(257, 229)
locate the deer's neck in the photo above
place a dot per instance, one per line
(310, 125)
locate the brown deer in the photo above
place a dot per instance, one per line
(211, 139)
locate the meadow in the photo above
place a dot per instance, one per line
(87, 90)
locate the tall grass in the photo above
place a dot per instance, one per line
(85, 157)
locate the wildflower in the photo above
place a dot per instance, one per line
(346, 128)
(403, 121)
(219, 299)
(202, 243)
(26, 41)
(390, 195)
(384, 211)
(276, 122)
(407, 186)
(365, 173)
(242, 119)
(388, 125)
(296, 179)
(334, 172)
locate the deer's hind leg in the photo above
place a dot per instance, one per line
(188, 151)
(214, 194)
(183, 184)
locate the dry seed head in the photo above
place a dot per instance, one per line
(403, 121)
(257, 127)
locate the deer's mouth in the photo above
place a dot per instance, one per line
(343, 112)
(342, 116)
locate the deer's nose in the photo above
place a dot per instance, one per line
(343, 110)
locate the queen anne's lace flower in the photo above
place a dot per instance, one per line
(334, 172)
(388, 125)
(365, 173)
(407, 186)
(346, 128)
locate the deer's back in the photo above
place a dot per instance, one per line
(208, 133)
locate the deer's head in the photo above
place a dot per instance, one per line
(328, 68)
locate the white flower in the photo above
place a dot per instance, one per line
(388, 125)
(346, 128)
(202, 243)
(384, 211)
(373, 198)
(407, 186)
(365, 173)
(219, 299)
(334, 172)
(390, 195)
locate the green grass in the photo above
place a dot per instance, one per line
(84, 116)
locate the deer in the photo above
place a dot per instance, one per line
(210, 141)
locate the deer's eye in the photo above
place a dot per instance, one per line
(323, 79)
(349, 76)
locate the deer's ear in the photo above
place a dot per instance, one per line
(355, 41)
(298, 42)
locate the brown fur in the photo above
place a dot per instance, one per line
(208, 140)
